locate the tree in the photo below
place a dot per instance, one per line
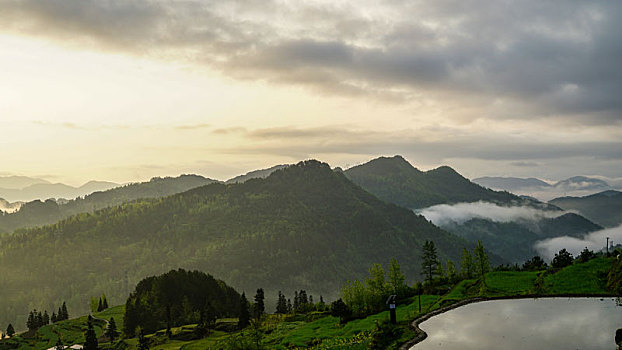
(90, 342)
(452, 273)
(562, 259)
(481, 260)
(259, 307)
(377, 288)
(143, 343)
(10, 331)
(104, 302)
(46, 318)
(65, 314)
(339, 309)
(586, 255)
(244, 317)
(111, 330)
(289, 306)
(430, 261)
(99, 305)
(59, 345)
(534, 264)
(281, 305)
(466, 264)
(53, 318)
(396, 278)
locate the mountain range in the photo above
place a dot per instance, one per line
(302, 227)
(575, 186)
(37, 213)
(38, 189)
(395, 180)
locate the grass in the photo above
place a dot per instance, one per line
(586, 278)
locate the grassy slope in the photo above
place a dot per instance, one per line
(292, 332)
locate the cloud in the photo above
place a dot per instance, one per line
(523, 59)
(594, 241)
(193, 126)
(445, 214)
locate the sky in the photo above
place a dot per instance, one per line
(127, 90)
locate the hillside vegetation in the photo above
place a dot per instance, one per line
(303, 227)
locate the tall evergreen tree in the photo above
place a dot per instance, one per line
(99, 305)
(90, 342)
(244, 317)
(64, 311)
(289, 306)
(46, 318)
(467, 268)
(430, 261)
(53, 318)
(59, 345)
(10, 331)
(296, 301)
(452, 273)
(281, 305)
(481, 260)
(104, 302)
(143, 343)
(259, 307)
(111, 331)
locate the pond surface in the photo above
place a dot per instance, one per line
(534, 324)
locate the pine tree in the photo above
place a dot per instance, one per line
(481, 260)
(30, 322)
(10, 331)
(104, 302)
(259, 307)
(59, 315)
(59, 345)
(111, 330)
(281, 305)
(452, 273)
(429, 261)
(99, 305)
(65, 313)
(143, 343)
(466, 264)
(296, 301)
(91, 338)
(244, 316)
(46, 318)
(39, 320)
(289, 306)
(53, 318)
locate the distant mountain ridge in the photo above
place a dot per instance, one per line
(395, 180)
(46, 190)
(9, 207)
(604, 208)
(18, 182)
(302, 227)
(37, 213)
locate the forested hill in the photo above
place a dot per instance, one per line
(397, 181)
(37, 213)
(303, 227)
(604, 208)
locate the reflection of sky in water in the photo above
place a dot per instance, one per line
(534, 324)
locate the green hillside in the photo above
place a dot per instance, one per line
(397, 181)
(604, 208)
(303, 227)
(37, 213)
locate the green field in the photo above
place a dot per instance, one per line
(321, 331)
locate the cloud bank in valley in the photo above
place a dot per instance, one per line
(594, 241)
(445, 214)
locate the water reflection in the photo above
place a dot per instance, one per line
(535, 324)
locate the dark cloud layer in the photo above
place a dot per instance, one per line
(557, 59)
